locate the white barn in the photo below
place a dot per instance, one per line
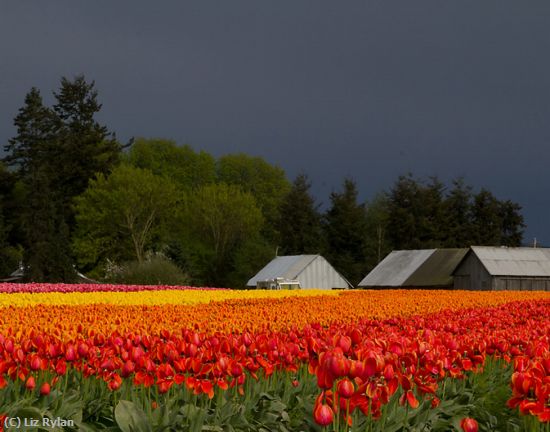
(311, 271)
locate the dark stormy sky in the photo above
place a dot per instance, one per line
(368, 89)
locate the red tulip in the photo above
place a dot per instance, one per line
(45, 389)
(323, 415)
(30, 384)
(345, 388)
(469, 425)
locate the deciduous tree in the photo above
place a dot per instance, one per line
(123, 215)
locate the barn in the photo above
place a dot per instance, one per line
(423, 268)
(504, 268)
(299, 271)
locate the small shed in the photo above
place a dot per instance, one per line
(311, 271)
(504, 268)
(422, 268)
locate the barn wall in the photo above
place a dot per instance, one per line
(510, 283)
(320, 274)
(471, 275)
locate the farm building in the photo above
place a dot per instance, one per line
(299, 271)
(425, 268)
(504, 268)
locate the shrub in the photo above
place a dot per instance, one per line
(156, 270)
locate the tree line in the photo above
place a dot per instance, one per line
(72, 197)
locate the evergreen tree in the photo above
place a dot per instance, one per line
(47, 244)
(299, 225)
(512, 224)
(486, 219)
(84, 147)
(9, 249)
(457, 209)
(55, 153)
(32, 146)
(403, 209)
(345, 231)
(430, 214)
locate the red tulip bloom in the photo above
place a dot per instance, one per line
(323, 415)
(45, 389)
(469, 425)
(31, 383)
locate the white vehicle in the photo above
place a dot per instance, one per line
(278, 283)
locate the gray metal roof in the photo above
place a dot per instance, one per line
(287, 267)
(437, 270)
(313, 271)
(505, 261)
(396, 268)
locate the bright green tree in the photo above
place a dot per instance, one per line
(187, 168)
(219, 220)
(266, 183)
(122, 216)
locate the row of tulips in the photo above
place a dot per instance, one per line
(14, 288)
(358, 366)
(70, 315)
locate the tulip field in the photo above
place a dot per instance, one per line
(141, 358)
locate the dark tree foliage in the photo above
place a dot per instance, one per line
(85, 147)
(424, 216)
(47, 243)
(415, 218)
(457, 210)
(512, 224)
(35, 138)
(299, 222)
(345, 230)
(486, 219)
(55, 153)
(9, 255)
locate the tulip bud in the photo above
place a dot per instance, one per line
(30, 384)
(323, 415)
(469, 425)
(45, 389)
(345, 388)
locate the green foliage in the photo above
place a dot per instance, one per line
(217, 220)
(345, 228)
(131, 418)
(123, 215)
(299, 222)
(266, 183)
(156, 270)
(182, 165)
